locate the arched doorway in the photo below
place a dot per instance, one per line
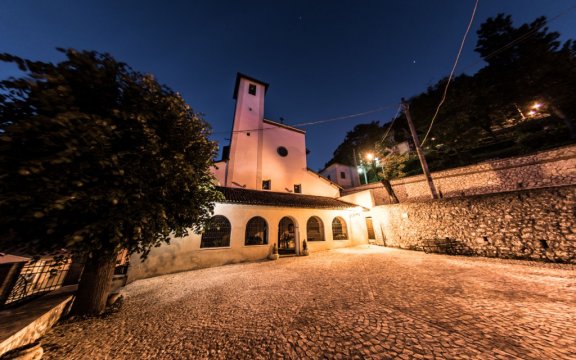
(287, 236)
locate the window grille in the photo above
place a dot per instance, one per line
(339, 230)
(315, 229)
(256, 232)
(217, 233)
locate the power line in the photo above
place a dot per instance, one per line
(495, 52)
(382, 108)
(346, 116)
(516, 41)
(392, 123)
(452, 72)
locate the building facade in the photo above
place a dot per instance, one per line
(344, 175)
(271, 198)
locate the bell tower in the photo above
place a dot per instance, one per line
(245, 164)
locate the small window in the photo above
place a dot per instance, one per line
(342, 175)
(339, 230)
(328, 177)
(282, 151)
(252, 89)
(216, 233)
(266, 184)
(256, 232)
(297, 188)
(315, 229)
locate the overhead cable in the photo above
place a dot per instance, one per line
(452, 72)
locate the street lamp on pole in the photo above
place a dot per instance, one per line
(362, 170)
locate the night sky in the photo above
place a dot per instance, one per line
(322, 59)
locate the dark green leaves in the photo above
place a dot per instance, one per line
(96, 157)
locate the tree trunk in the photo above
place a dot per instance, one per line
(391, 193)
(94, 285)
(569, 122)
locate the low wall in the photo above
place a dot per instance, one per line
(24, 325)
(555, 167)
(531, 224)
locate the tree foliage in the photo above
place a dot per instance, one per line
(96, 157)
(484, 114)
(361, 140)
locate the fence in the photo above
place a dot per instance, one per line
(19, 284)
(37, 278)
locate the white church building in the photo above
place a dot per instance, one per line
(271, 197)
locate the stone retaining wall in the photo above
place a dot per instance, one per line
(531, 224)
(555, 167)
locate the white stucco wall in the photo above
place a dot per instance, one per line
(284, 172)
(245, 146)
(333, 172)
(254, 153)
(362, 198)
(185, 253)
(219, 172)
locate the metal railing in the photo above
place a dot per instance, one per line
(37, 278)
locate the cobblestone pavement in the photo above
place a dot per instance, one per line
(358, 303)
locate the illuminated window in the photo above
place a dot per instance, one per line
(315, 229)
(216, 233)
(266, 184)
(339, 231)
(297, 188)
(252, 89)
(256, 232)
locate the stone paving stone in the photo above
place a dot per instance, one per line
(359, 303)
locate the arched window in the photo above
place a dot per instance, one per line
(256, 232)
(315, 229)
(216, 233)
(339, 230)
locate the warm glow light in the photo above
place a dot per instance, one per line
(369, 157)
(536, 106)
(359, 169)
(531, 113)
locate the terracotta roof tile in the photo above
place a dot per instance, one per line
(270, 198)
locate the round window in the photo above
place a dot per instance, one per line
(282, 151)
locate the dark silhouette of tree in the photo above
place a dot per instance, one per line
(536, 68)
(95, 158)
(361, 140)
(525, 65)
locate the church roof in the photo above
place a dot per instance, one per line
(277, 199)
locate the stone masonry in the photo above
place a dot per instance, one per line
(529, 224)
(555, 167)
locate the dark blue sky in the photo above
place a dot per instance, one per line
(322, 59)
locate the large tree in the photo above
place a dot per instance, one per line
(95, 158)
(529, 63)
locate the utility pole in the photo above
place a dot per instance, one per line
(406, 108)
(363, 169)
